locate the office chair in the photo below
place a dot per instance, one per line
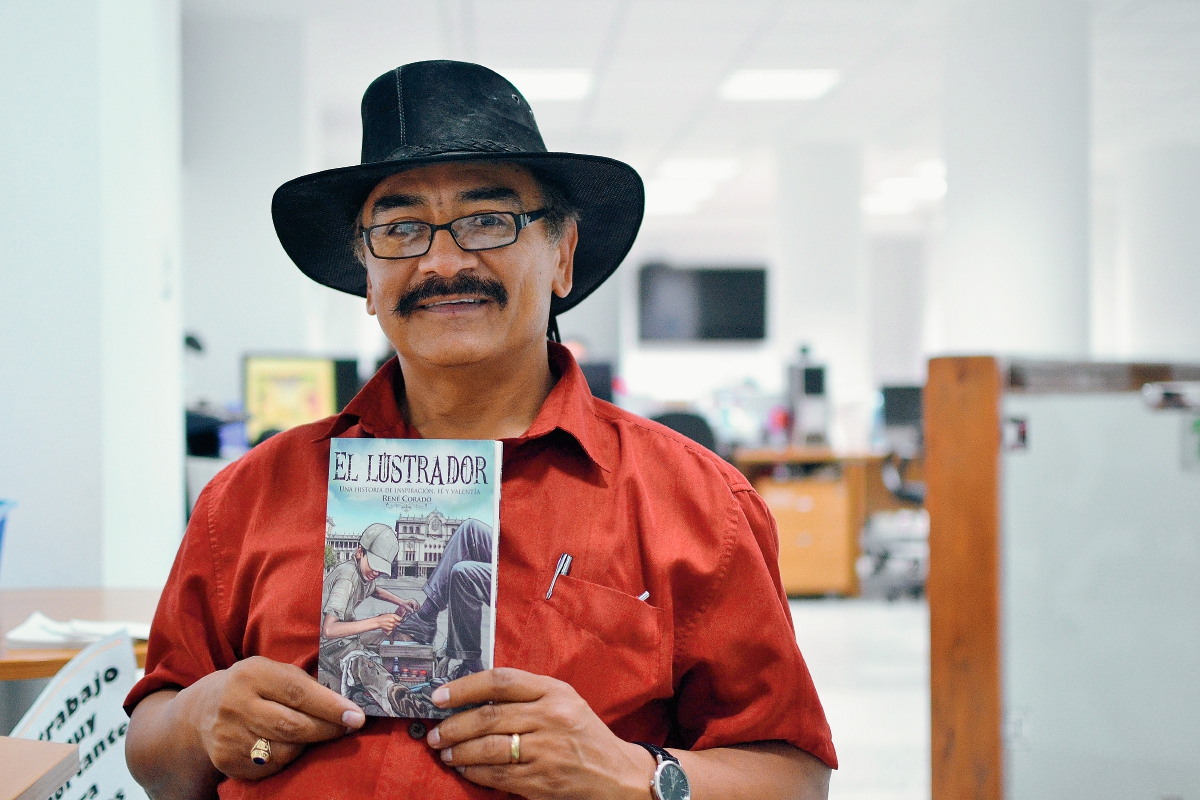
(693, 426)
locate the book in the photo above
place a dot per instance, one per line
(408, 596)
(35, 770)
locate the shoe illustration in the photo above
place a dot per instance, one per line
(414, 629)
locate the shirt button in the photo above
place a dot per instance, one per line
(417, 729)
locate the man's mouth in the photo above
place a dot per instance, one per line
(461, 292)
(457, 301)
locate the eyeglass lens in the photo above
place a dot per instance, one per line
(407, 239)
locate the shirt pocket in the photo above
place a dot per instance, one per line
(611, 647)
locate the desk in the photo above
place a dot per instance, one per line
(821, 516)
(63, 604)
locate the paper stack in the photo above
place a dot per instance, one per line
(39, 631)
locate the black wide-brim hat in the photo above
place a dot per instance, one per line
(437, 111)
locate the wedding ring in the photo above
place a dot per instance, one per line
(261, 752)
(514, 750)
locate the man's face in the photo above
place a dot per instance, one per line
(364, 567)
(483, 305)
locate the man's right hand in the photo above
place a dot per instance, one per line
(231, 709)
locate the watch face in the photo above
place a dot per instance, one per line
(671, 783)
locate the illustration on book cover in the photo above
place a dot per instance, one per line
(408, 600)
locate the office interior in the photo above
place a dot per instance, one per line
(869, 226)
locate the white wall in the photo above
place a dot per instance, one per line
(1158, 253)
(1014, 277)
(823, 289)
(245, 129)
(897, 279)
(91, 430)
(596, 322)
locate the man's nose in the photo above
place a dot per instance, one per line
(445, 257)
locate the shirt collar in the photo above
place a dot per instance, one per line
(569, 407)
(374, 408)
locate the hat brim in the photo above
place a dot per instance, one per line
(315, 215)
(378, 563)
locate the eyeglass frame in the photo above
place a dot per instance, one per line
(521, 221)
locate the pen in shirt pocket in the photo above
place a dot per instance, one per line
(564, 567)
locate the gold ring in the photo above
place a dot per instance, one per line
(261, 752)
(514, 750)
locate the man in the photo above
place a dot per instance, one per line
(462, 583)
(344, 588)
(466, 238)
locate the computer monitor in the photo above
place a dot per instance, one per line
(902, 420)
(902, 405)
(702, 303)
(282, 392)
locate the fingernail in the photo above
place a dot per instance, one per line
(353, 718)
(434, 737)
(440, 695)
(460, 770)
(447, 754)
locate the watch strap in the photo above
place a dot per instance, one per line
(659, 753)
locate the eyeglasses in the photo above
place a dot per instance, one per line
(411, 238)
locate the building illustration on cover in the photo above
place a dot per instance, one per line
(422, 541)
(408, 589)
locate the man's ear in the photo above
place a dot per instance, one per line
(564, 276)
(370, 296)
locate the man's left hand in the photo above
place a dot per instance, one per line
(565, 749)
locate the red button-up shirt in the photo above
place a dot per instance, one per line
(710, 659)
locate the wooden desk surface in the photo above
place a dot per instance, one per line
(64, 604)
(745, 457)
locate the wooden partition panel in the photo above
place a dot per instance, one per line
(962, 464)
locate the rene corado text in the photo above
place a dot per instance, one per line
(423, 470)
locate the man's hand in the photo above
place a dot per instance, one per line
(566, 750)
(258, 697)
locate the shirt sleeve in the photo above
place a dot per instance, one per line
(186, 637)
(743, 677)
(338, 603)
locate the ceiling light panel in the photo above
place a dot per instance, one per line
(902, 194)
(550, 84)
(681, 185)
(778, 84)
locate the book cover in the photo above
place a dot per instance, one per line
(408, 600)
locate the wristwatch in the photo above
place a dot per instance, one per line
(670, 782)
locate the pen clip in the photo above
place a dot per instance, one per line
(564, 567)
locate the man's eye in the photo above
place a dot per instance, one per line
(401, 230)
(488, 221)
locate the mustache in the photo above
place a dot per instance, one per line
(436, 286)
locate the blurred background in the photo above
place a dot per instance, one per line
(836, 192)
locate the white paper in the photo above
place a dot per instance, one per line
(82, 705)
(41, 631)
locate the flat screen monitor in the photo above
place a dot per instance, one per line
(902, 405)
(282, 392)
(702, 303)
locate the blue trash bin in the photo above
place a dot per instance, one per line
(5, 507)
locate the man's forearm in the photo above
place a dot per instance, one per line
(759, 771)
(166, 756)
